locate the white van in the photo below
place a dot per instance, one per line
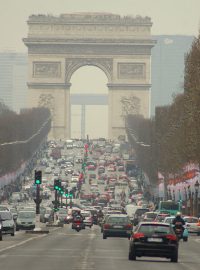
(131, 209)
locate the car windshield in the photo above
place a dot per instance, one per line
(140, 212)
(149, 228)
(5, 215)
(26, 215)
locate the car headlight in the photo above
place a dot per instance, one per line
(0, 226)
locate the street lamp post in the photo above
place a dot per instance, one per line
(173, 194)
(196, 187)
(190, 200)
(192, 204)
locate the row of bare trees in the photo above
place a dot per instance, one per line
(21, 135)
(171, 139)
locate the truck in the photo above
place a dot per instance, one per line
(131, 167)
(122, 191)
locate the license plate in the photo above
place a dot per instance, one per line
(118, 227)
(157, 240)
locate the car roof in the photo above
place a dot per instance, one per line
(118, 215)
(154, 223)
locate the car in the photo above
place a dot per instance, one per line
(4, 207)
(1, 233)
(153, 239)
(149, 216)
(48, 170)
(8, 224)
(101, 169)
(138, 214)
(91, 167)
(121, 169)
(61, 215)
(88, 220)
(192, 224)
(49, 215)
(26, 219)
(161, 217)
(117, 225)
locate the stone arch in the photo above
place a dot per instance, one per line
(119, 46)
(106, 65)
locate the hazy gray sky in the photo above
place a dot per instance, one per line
(168, 16)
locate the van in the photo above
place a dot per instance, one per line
(131, 209)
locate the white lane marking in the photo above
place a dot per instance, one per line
(21, 243)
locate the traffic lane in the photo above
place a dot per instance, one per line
(62, 249)
(20, 238)
(113, 252)
(66, 248)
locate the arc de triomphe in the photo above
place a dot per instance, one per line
(119, 46)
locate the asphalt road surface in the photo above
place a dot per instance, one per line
(65, 248)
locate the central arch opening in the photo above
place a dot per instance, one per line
(89, 103)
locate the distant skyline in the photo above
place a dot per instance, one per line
(173, 17)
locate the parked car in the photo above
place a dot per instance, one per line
(26, 220)
(1, 226)
(154, 239)
(8, 224)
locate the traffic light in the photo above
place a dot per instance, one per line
(61, 189)
(57, 184)
(38, 177)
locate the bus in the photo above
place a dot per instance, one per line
(170, 207)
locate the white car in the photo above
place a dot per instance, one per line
(88, 221)
(192, 224)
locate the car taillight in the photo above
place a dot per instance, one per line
(171, 237)
(106, 226)
(78, 222)
(138, 235)
(129, 226)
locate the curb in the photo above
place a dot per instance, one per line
(55, 225)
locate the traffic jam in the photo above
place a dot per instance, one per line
(97, 185)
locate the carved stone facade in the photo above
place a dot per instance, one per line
(119, 46)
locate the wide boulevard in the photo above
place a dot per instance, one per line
(64, 248)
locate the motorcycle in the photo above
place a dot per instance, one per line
(179, 231)
(78, 225)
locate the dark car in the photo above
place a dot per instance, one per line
(117, 225)
(8, 224)
(138, 215)
(1, 230)
(154, 239)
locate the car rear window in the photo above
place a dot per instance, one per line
(149, 228)
(118, 220)
(191, 220)
(141, 211)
